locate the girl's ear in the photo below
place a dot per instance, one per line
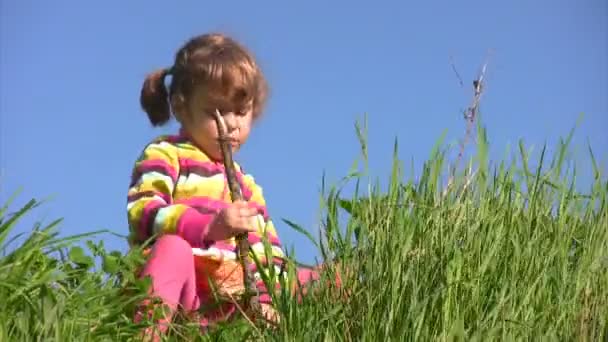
(178, 106)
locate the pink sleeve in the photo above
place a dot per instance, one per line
(194, 226)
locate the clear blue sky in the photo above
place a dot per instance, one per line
(71, 72)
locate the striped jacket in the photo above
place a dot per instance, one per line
(177, 189)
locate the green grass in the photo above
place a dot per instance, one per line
(507, 252)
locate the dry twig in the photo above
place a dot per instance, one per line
(236, 194)
(470, 114)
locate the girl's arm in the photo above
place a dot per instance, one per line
(150, 206)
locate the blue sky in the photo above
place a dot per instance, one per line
(71, 73)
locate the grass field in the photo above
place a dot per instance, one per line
(508, 252)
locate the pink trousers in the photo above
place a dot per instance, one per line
(171, 269)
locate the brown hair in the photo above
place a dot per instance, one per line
(226, 72)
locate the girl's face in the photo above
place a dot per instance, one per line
(201, 126)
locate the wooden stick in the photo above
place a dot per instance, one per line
(469, 115)
(236, 195)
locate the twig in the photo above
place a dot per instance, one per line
(468, 181)
(236, 195)
(242, 311)
(456, 72)
(469, 115)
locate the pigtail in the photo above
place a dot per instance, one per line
(154, 98)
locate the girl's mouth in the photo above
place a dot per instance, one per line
(234, 143)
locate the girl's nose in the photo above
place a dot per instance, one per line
(231, 121)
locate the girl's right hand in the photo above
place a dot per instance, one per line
(237, 218)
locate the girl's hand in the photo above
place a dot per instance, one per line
(237, 218)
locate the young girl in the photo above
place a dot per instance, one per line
(179, 190)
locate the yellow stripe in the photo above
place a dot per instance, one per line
(167, 217)
(163, 151)
(195, 185)
(195, 155)
(135, 213)
(151, 183)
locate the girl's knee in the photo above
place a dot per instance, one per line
(173, 245)
(171, 262)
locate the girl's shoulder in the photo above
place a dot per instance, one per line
(170, 143)
(166, 147)
(246, 175)
(248, 179)
(168, 139)
(177, 148)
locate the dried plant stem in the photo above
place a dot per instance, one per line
(243, 312)
(470, 114)
(236, 195)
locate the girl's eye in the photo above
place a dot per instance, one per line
(212, 111)
(240, 112)
(223, 112)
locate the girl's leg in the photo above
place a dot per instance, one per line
(171, 268)
(306, 275)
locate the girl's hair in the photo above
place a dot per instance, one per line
(222, 68)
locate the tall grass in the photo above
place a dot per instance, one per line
(506, 252)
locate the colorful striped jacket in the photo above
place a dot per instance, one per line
(177, 189)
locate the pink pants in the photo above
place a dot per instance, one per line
(171, 268)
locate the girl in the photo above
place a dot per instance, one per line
(178, 190)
